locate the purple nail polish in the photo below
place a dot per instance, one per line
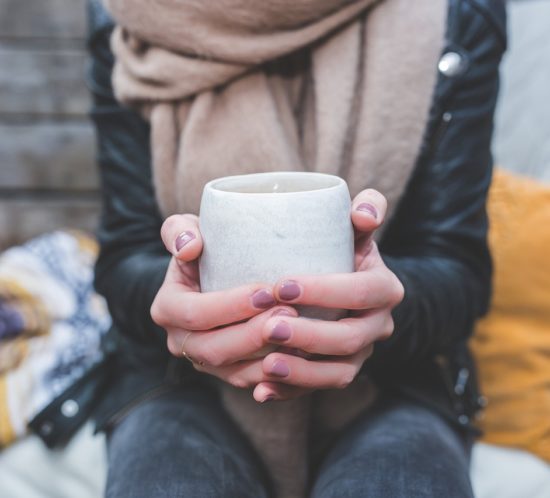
(263, 299)
(268, 398)
(280, 369)
(368, 208)
(183, 239)
(281, 332)
(289, 290)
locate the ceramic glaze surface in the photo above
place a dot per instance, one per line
(261, 227)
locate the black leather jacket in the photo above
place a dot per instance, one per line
(436, 242)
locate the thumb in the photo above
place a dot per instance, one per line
(368, 211)
(181, 236)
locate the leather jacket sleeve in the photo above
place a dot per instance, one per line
(132, 260)
(436, 243)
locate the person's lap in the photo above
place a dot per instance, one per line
(184, 444)
(398, 450)
(181, 445)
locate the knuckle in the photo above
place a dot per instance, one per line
(157, 312)
(308, 340)
(398, 291)
(353, 343)
(369, 350)
(189, 315)
(237, 381)
(347, 377)
(207, 353)
(210, 357)
(257, 334)
(172, 345)
(359, 295)
(388, 328)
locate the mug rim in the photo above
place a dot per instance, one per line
(333, 182)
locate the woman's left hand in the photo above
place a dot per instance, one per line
(339, 348)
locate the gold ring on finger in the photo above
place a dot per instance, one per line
(187, 356)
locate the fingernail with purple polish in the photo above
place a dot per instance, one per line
(280, 369)
(263, 299)
(281, 332)
(183, 239)
(368, 208)
(289, 290)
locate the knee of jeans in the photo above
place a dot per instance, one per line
(407, 436)
(413, 425)
(183, 447)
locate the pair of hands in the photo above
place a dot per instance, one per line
(226, 333)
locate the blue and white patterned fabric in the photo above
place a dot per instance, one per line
(51, 324)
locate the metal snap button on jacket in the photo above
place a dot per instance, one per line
(69, 408)
(451, 64)
(46, 428)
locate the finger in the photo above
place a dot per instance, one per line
(368, 211)
(207, 310)
(375, 288)
(181, 236)
(344, 337)
(181, 276)
(366, 253)
(227, 345)
(243, 375)
(273, 391)
(327, 373)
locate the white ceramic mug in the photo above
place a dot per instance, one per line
(264, 226)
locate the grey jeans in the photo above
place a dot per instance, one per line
(185, 445)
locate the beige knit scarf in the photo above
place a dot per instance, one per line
(240, 86)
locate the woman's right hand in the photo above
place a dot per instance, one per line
(220, 332)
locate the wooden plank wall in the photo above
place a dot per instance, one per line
(48, 176)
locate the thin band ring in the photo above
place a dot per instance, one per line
(184, 353)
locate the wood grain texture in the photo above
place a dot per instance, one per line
(42, 81)
(48, 177)
(48, 155)
(43, 18)
(21, 220)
